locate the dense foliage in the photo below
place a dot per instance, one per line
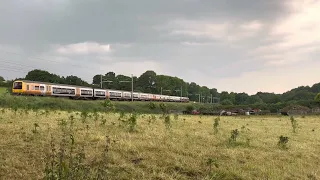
(150, 82)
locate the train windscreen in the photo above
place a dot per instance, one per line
(17, 85)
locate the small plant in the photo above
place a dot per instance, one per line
(211, 162)
(71, 118)
(234, 135)
(293, 124)
(96, 116)
(84, 115)
(282, 143)
(176, 116)
(189, 109)
(108, 104)
(163, 108)
(132, 122)
(167, 121)
(15, 110)
(216, 124)
(122, 115)
(35, 125)
(152, 105)
(152, 118)
(103, 121)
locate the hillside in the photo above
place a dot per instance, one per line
(150, 82)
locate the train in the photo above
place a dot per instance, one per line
(36, 88)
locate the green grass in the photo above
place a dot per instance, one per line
(54, 103)
(146, 148)
(2, 90)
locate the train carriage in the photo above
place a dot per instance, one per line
(100, 94)
(126, 95)
(35, 88)
(114, 94)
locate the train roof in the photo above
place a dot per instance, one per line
(41, 82)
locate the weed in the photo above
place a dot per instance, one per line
(293, 124)
(216, 124)
(211, 162)
(132, 122)
(152, 105)
(109, 105)
(167, 121)
(176, 116)
(96, 117)
(282, 143)
(35, 125)
(84, 115)
(103, 121)
(234, 135)
(122, 115)
(163, 108)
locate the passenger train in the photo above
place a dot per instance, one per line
(35, 88)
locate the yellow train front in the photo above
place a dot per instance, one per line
(34, 88)
(23, 87)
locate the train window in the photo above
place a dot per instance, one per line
(86, 92)
(42, 88)
(115, 94)
(100, 93)
(56, 90)
(17, 85)
(27, 87)
(36, 88)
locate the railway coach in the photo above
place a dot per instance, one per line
(35, 88)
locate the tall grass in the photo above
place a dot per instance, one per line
(66, 104)
(60, 145)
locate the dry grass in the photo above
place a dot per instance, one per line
(189, 149)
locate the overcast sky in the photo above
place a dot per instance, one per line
(240, 46)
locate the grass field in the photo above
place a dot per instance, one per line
(2, 90)
(73, 145)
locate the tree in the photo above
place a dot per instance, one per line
(74, 80)
(226, 102)
(96, 79)
(44, 76)
(1, 79)
(147, 82)
(317, 98)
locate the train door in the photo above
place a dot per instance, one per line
(43, 89)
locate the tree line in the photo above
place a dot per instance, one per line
(150, 82)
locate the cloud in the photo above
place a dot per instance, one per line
(84, 48)
(297, 35)
(221, 44)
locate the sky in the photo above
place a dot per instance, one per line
(235, 46)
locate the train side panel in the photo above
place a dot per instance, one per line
(86, 92)
(114, 94)
(65, 91)
(100, 93)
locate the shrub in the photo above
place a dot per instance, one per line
(282, 143)
(293, 123)
(216, 124)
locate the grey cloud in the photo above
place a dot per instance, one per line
(137, 31)
(115, 21)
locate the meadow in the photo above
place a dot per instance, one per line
(43, 144)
